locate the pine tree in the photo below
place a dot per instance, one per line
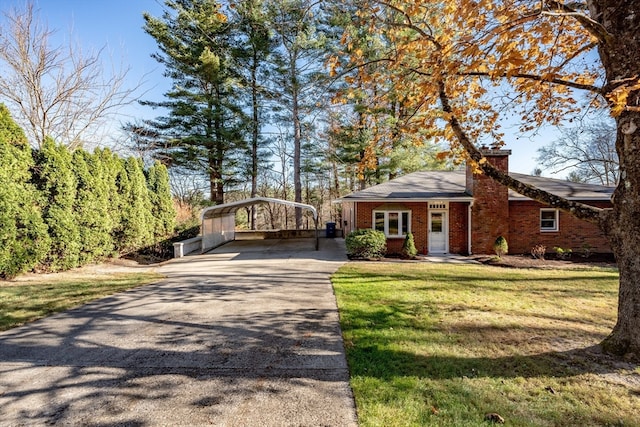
(254, 46)
(300, 80)
(205, 121)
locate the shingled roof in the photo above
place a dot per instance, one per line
(450, 185)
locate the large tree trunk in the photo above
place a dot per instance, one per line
(619, 50)
(297, 149)
(623, 230)
(216, 185)
(622, 226)
(216, 158)
(254, 139)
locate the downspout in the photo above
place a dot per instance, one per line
(354, 224)
(469, 228)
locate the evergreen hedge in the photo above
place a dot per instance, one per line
(60, 210)
(136, 221)
(24, 240)
(57, 184)
(92, 208)
(162, 209)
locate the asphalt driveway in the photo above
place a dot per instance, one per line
(244, 337)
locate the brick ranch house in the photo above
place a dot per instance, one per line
(461, 212)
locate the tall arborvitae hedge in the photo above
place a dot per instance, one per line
(162, 209)
(136, 221)
(121, 238)
(59, 210)
(110, 169)
(55, 178)
(23, 234)
(92, 208)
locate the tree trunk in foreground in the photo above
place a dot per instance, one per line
(616, 24)
(619, 50)
(622, 227)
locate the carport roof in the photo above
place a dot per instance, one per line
(232, 207)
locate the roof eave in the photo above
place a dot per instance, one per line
(404, 200)
(573, 199)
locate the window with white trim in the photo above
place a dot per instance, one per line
(392, 223)
(548, 219)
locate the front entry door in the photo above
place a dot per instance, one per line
(438, 240)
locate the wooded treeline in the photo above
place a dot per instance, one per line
(61, 209)
(250, 110)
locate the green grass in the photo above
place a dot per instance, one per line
(22, 302)
(443, 345)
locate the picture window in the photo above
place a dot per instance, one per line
(392, 223)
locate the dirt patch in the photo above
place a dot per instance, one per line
(527, 261)
(119, 265)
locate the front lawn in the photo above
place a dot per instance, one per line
(444, 345)
(22, 302)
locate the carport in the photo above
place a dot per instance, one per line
(218, 222)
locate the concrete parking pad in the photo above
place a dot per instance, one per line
(243, 336)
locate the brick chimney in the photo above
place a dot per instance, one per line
(490, 210)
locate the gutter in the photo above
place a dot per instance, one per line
(403, 200)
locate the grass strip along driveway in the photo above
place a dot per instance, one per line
(26, 301)
(445, 345)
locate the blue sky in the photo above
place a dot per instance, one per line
(117, 25)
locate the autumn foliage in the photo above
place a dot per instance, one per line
(463, 66)
(461, 69)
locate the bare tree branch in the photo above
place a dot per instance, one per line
(580, 210)
(557, 8)
(56, 91)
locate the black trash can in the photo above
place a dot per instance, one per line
(331, 230)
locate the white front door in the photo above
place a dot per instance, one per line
(438, 232)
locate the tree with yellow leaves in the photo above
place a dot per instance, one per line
(465, 66)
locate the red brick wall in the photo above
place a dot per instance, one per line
(458, 221)
(419, 223)
(524, 224)
(458, 225)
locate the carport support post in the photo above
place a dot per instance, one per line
(315, 220)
